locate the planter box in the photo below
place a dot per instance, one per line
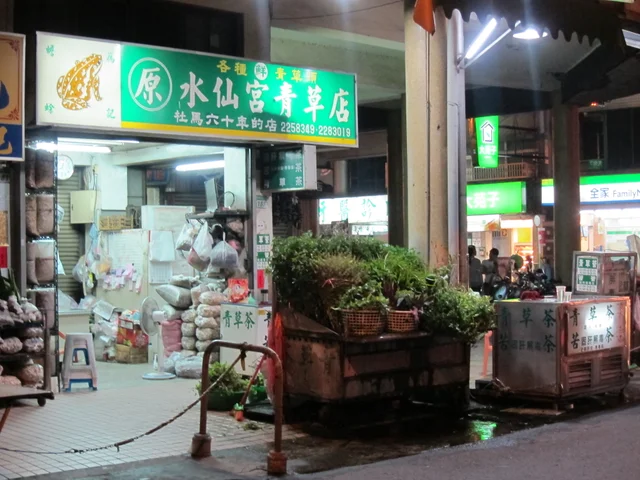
(325, 367)
(223, 402)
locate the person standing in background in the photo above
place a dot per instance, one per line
(490, 270)
(475, 270)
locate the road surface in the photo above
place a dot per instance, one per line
(600, 447)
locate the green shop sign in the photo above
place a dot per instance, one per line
(496, 198)
(487, 138)
(98, 84)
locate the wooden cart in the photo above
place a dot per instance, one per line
(325, 368)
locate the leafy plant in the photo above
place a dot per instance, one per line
(364, 297)
(335, 275)
(400, 270)
(457, 312)
(232, 382)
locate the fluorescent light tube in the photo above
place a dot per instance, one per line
(529, 34)
(72, 147)
(481, 39)
(95, 141)
(192, 167)
(632, 39)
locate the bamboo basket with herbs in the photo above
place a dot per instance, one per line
(358, 286)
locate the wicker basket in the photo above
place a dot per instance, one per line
(362, 323)
(399, 321)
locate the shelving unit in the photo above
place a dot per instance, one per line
(51, 362)
(11, 393)
(14, 208)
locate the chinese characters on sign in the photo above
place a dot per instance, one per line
(11, 96)
(244, 323)
(526, 336)
(595, 327)
(487, 136)
(496, 198)
(288, 169)
(600, 189)
(168, 91)
(587, 274)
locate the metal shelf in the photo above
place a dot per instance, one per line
(217, 214)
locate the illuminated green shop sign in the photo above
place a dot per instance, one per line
(487, 136)
(496, 198)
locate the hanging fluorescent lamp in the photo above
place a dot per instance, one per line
(72, 147)
(481, 39)
(194, 167)
(95, 141)
(530, 34)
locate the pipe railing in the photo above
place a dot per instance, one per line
(201, 443)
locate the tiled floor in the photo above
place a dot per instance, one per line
(124, 406)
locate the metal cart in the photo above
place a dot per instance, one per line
(555, 351)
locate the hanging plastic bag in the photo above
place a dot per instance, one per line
(188, 234)
(200, 254)
(224, 255)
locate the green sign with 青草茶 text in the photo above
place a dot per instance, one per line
(149, 89)
(496, 198)
(487, 137)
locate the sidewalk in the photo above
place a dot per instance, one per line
(92, 419)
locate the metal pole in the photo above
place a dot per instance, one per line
(201, 443)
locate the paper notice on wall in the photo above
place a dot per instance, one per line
(160, 272)
(162, 247)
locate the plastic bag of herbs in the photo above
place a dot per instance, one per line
(457, 312)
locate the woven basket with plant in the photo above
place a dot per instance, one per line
(362, 310)
(399, 321)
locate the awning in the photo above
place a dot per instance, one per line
(586, 18)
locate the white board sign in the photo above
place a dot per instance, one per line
(594, 327)
(78, 82)
(240, 323)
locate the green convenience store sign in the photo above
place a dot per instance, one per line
(487, 139)
(496, 198)
(620, 188)
(108, 85)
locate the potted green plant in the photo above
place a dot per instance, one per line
(229, 390)
(362, 309)
(459, 313)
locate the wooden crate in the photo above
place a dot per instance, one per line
(125, 354)
(116, 222)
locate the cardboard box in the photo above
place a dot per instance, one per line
(129, 332)
(125, 354)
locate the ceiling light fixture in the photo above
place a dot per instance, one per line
(530, 34)
(72, 147)
(481, 39)
(94, 141)
(193, 167)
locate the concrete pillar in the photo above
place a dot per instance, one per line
(566, 178)
(436, 141)
(397, 175)
(257, 30)
(426, 120)
(341, 177)
(6, 15)
(457, 151)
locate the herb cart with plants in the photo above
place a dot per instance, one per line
(364, 321)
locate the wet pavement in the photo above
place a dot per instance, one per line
(422, 430)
